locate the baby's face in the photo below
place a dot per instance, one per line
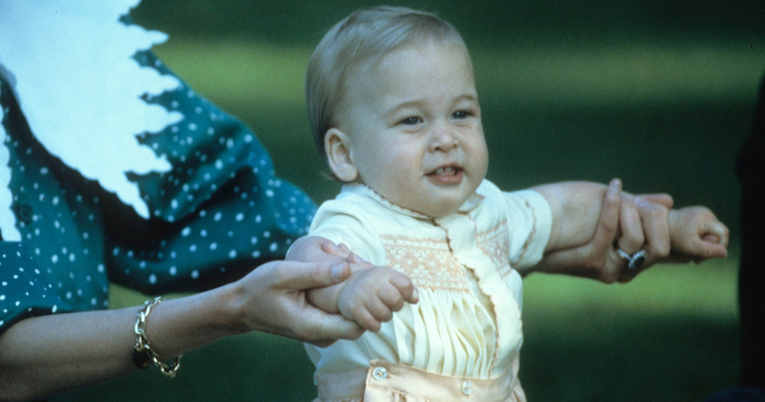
(414, 126)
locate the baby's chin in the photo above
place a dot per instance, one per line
(439, 209)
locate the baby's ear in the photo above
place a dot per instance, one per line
(337, 145)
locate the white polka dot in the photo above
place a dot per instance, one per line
(44, 171)
(193, 248)
(173, 270)
(213, 246)
(272, 247)
(54, 309)
(232, 254)
(217, 216)
(218, 164)
(203, 233)
(266, 234)
(194, 274)
(54, 258)
(152, 279)
(186, 231)
(254, 240)
(256, 254)
(239, 217)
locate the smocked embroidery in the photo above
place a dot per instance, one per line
(429, 262)
(495, 244)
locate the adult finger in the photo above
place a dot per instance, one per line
(592, 260)
(293, 275)
(323, 329)
(655, 229)
(338, 250)
(659, 198)
(631, 238)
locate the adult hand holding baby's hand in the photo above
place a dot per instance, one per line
(371, 296)
(628, 223)
(697, 235)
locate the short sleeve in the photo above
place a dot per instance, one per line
(25, 289)
(530, 222)
(340, 222)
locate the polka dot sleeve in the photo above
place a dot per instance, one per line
(220, 211)
(25, 289)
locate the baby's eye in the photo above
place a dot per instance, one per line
(411, 121)
(461, 114)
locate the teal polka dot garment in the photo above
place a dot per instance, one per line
(219, 213)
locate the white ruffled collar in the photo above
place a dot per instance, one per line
(71, 66)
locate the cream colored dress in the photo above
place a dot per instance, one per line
(467, 324)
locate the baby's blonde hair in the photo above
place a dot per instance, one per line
(365, 34)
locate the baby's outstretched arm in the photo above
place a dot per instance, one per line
(696, 234)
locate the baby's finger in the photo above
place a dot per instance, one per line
(710, 238)
(710, 250)
(405, 287)
(391, 297)
(366, 319)
(378, 309)
(716, 228)
(355, 259)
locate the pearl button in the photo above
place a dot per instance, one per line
(380, 373)
(467, 388)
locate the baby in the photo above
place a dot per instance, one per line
(395, 113)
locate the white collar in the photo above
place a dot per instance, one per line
(72, 69)
(362, 189)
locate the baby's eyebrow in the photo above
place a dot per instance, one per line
(413, 104)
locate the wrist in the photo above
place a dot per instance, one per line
(232, 310)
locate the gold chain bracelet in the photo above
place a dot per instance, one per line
(142, 351)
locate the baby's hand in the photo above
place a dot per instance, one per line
(696, 234)
(371, 296)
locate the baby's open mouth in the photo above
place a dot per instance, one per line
(446, 171)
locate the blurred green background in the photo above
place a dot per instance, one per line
(659, 93)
